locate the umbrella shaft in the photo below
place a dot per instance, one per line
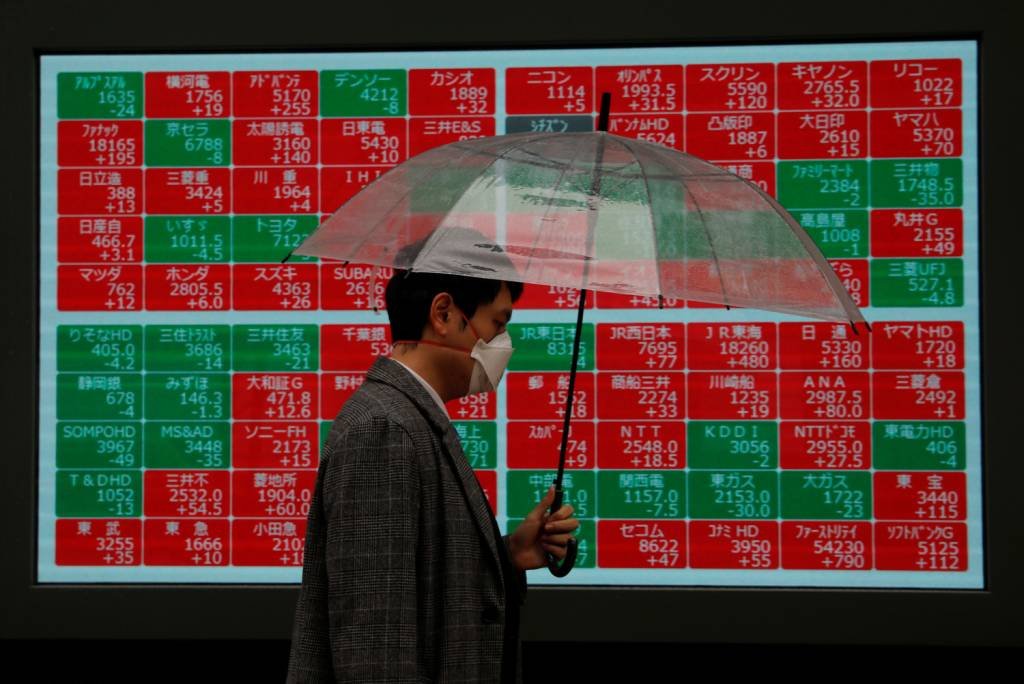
(595, 191)
(572, 387)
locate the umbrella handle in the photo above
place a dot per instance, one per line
(561, 569)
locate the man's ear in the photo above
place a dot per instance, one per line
(440, 307)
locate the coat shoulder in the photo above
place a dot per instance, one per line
(377, 408)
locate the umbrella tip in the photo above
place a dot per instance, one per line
(606, 107)
(287, 256)
(661, 302)
(854, 326)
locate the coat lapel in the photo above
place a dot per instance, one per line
(392, 373)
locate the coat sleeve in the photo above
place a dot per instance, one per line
(362, 599)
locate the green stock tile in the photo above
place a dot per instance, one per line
(526, 488)
(923, 445)
(479, 442)
(727, 445)
(188, 142)
(823, 184)
(188, 445)
(188, 348)
(640, 495)
(184, 396)
(276, 347)
(269, 239)
(826, 495)
(99, 493)
(732, 495)
(104, 348)
(99, 95)
(900, 183)
(106, 444)
(95, 396)
(363, 92)
(187, 239)
(917, 282)
(548, 346)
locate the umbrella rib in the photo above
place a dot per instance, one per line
(595, 197)
(614, 171)
(831, 280)
(539, 157)
(547, 209)
(424, 252)
(366, 235)
(828, 275)
(711, 243)
(650, 212)
(557, 166)
(504, 154)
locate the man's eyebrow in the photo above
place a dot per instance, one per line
(508, 314)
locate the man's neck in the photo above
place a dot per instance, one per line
(425, 367)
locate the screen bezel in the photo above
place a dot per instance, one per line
(640, 614)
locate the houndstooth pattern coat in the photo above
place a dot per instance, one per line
(403, 578)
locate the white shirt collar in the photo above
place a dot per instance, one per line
(430, 390)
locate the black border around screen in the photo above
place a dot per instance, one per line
(700, 614)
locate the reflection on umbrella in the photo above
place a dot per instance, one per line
(588, 211)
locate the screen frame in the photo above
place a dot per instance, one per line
(595, 614)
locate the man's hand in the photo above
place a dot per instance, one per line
(541, 533)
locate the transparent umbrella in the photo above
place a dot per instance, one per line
(590, 211)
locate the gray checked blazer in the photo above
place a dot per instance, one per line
(403, 578)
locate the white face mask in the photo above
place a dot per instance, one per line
(491, 360)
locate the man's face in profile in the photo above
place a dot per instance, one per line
(490, 320)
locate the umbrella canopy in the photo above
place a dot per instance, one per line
(592, 211)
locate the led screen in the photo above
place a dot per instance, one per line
(188, 377)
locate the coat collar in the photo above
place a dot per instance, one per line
(390, 372)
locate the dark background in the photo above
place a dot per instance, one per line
(133, 633)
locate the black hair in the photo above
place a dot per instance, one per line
(409, 293)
